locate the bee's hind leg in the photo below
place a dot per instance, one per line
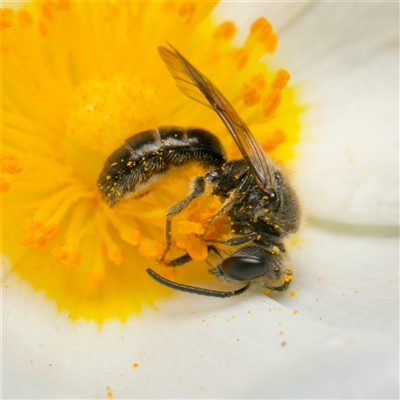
(197, 189)
(177, 262)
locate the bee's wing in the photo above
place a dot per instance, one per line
(196, 86)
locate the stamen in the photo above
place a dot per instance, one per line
(150, 248)
(70, 253)
(253, 90)
(188, 227)
(67, 255)
(225, 31)
(261, 32)
(281, 79)
(187, 10)
(43, 226)
(272, 100)
(127, 232)
(198, 250)
(97, 269)
(273, 139)
(113, 251)
(25, 18)
(10, 165)
(6, 17)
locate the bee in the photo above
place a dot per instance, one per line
(256, 196)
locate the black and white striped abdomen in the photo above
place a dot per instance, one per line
(146, 156)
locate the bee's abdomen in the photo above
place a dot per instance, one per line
(146, 156)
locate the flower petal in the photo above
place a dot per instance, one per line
(343, 344)
(289, 346)
(349, 169)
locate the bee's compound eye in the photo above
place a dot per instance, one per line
(243, 268)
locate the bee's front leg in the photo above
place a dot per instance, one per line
(197, 189)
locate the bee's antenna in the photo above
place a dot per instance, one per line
(194, 289)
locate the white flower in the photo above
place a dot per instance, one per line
(336, 334)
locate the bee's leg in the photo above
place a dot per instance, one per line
(250, 237)
(235, 196)
(235, 241)
(198, 188)
(177, 262)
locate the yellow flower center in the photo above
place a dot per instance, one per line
(71, 99)
(106, 111)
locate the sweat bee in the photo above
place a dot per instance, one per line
(256, 195)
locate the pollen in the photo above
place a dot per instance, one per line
(261, 38)
(225, 31)
(198, 250)
(287, 278)
(253, 90)
(272, 100)
(7, 16)
(68, 256)
(11, 164)
(150, 248)
(190, 227)
(39, 233)
(281, 79)
(10, 169)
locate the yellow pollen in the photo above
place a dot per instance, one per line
(286, 279)
(10, 169)
(67, 256)
(225, 31)
(261, 31)
(198, 250)
(70, 254)
(7, 16)
(281, 79)
(190, 227)
(39, 233)
(44, 224)
(10, 164)
(150, 248)
(253, 90)
(271, 102)
(273, 139)
(24, 18)
(187, 10)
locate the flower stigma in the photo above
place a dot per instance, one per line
(70, 98)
